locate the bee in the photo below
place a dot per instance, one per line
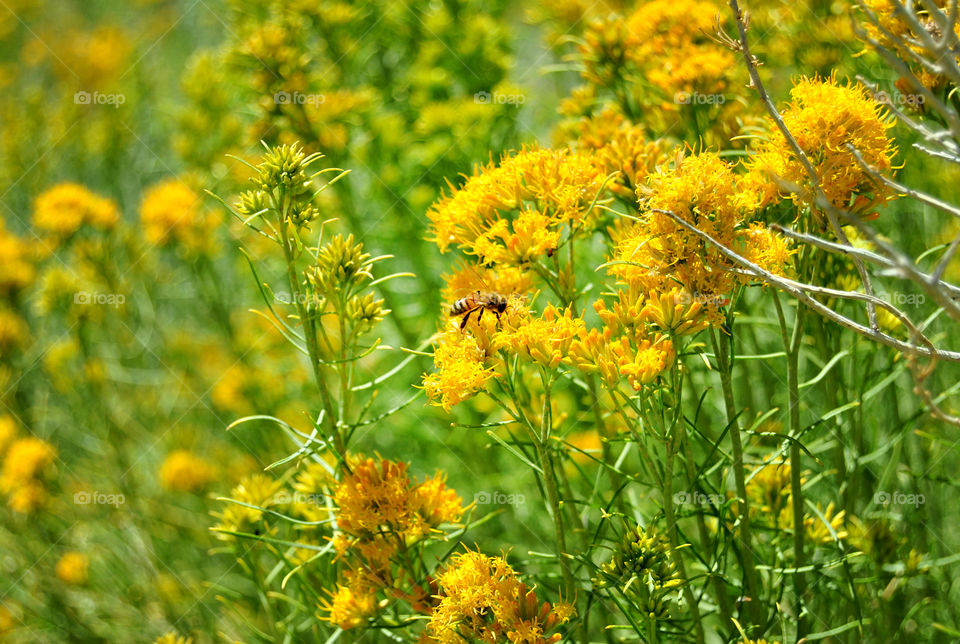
(478, 301)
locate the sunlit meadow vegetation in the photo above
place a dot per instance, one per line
(479, 321)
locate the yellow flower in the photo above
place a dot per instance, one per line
(8, 429)
(545, 339)
(437, 503)
(64, 208)
(73, 568)
(185, 472)
(469, 279)
(16, 259)
(657, 254)
(257, 490)
(171, 213)
(24, 462)
(825, 118)
(173, 638)
(588, 441)
(591, 352)
(352, 604)
(7, 620)
(27, 497)
(14, 332)
(380, 496)
(620, 146)
(669, 39)
(513, 211)
(767, 249)
(641, 364)
(483, 599)
(460, 369)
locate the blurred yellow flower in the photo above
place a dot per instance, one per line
(24, 462)
(183, 471)
(173, 638)
(351, 604)
(73, 568)
(65, 207)
(16, 257)
(171, 213)
(14, 332)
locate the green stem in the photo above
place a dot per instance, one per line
(309, 332)
(550, 485)
(724, 366)
(791, 345)
(669, 514)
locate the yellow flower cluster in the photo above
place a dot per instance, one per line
(64, 208)
(514, 212)
(825, 117)
(665, 42)
(461, 368)
(669, 41)
(658, 253)
(23, 468)
(468, 279)
(254, 490)
(639, 354)
(14, 332)
(620, 146)
(173, 638)
(768, 489)
(378, 499)
(184, 471)
(171, 213)
(73, 568)
(483, 600)
(545, 339)
(16, 257)
(380, 511)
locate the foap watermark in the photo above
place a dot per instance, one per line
(698, 498)
(898, 298)
(284, 97)
(291, 298)
(298, 498)
(899, 99)
(499, 98)
(87, 497)
(696, 98)
(496, 497)
(899, 498)
(86, 298)
(703, 299)
(99, 98)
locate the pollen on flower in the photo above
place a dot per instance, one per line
(483, 599)
(461, 371)
(545, 339)
(351, 604)
(825, 117)
(513, 211)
